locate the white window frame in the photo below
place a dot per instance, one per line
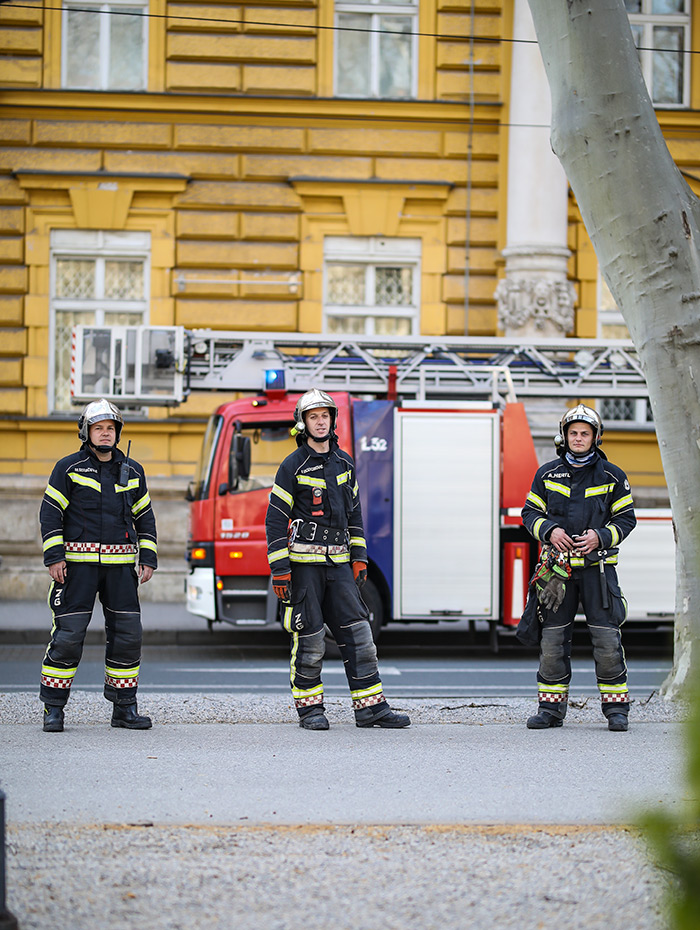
(375, 9)
(100, 246)
(102, 13)
(372, 252)
(647, 20)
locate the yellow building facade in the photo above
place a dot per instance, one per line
(213, 165)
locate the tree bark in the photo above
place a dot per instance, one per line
(643, 222)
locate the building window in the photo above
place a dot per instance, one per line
(97, 278)
(661, 30)
(104, 45)
(371, 285)
(376, 48)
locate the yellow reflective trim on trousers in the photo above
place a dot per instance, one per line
(343, 478)
(366, 692)
(623, 502)
(358, 541)
(562, 689)
(56, 496)
(599, 489)
(287, 618)
(148, 544)
(295, 648)
(299, 693)
(307, 557)
(537, 525)
(52, 672)
(276, 556)
(536, 500)
(614, 689)
(282, 494)
(131, 484)
(312, 482)
(53, 541)
(557, 488)
(122, 672)
(141, 504)
(85, 481)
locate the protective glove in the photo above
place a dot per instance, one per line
(551, 588)
(359, 570)
(282, 586)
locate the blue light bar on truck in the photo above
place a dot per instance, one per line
(274, 379)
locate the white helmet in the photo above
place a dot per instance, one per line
(580, 414)
(312, 399)
(95, 411)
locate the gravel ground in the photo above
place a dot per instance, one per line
(91, 708)
(376, 878)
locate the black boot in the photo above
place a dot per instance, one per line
(53, 718)
(542, 721)
(317, 721)
(127, 716)
(390, 721)
(618, 722)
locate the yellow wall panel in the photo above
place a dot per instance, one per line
(20, 15)
(274, 19)
(13, 280)
(183, 75)
(11, 220)
(481, 288)
(92, 133)
(195, 224)
(38, 341)
(48, 160)
(205, 17)
(237, 314)
(432, 319)
(482, 321)
(280, 226)
(424, 169)
(13, 341)
(51, 444)
(285, 166)
(16, 130)
(236, 194)
(36, 310)
(483, 144)
(484, 230)
(21, 41)
(35, 371)
(11, 372)
(13, 443)
(185, 163)
(10, 191)
(278, 79)
(12, 249)
(237, 254)
(20, 72)
(13, 401)
(206, 136)
(241, 48)
(456, 55)
(454, 85)
(11, 311)
(371, 141)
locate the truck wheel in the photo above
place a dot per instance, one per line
(373, 602)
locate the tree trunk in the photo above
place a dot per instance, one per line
(643, 222)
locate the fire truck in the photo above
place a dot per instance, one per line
(443, 451)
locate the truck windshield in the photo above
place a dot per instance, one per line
(270, 444)
(199, 488)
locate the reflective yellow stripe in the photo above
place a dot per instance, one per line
(343, 478)
(312, 482)
(536, 500)
(562, 689)
(148, 544)
(57, 496)
(122, 672)
(276, 556)
(366, 692)
(558, 488)
(53, 672)
(355, 489)
(141, 504)
(53, 541)
(623, 502)
(299, 693)
(537, 525)
(131, 484)
(599, 489)
(281, 493)
(117, 559)
(82, 556)
(85, 481)
(358, 541)
(339, 557)
(616, 534)
(614, 689)
(309, 557)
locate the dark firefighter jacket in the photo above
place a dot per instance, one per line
(315, 488)
(87, 516)
(596, 497)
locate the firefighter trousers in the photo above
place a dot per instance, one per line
(71, 604)
(604, 627)
(327, 593)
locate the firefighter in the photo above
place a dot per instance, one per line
(580, 508)
(318, 559)
(96, 521)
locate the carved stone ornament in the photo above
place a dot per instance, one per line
(540, 302)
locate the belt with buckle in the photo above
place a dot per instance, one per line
(308, 531)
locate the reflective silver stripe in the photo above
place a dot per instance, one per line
(536, 501)
(148, 544)
(131, 484)
(599, 489)
(281, 493)
(141, 504)
(556, 487)
(53, 541)
(276, 556)
(57, 496)
(312, 482)
(623, 502)
(85, 481)
(343, 478)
